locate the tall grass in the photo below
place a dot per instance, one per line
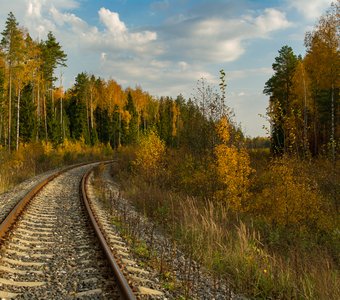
(231, 246)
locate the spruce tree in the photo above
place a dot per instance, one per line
(27, 119)
(132, 126)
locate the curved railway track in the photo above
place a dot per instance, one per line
(49, 245)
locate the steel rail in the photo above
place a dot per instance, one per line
(123, 284)
(10, 219)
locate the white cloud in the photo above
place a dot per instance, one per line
(117, 35)
(34, 8)
(216, 39)
(271, 20)
(111, 21)
(165, 60)
(310, 9)
(103, 56)
(183, 65)
(118, 30)
(60, 19)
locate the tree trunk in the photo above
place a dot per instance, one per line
(61, 108)
(38, 112)
(1, 127)
(18, 121)
(45, 117)
(119, 130)
(333, 126)
(61, 118)
(10, 108)
(304, 115)
(91, 110)
(88, 121)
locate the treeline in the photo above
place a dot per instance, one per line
(304, 109)
(34, 107)
(27, 107)
(102, 111)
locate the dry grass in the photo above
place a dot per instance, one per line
(233, 249)
(35, 158)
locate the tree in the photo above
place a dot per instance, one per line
(323, 65)
(77, 111)
(279, 89)
(290, 197)
(131, 122)
(233, 169)
(52, 57)
(164, 125)
(149, 155)
(23, 75)
(2, 100)
(300, 119)
(27, 119)
(102, 118)
(10, 45)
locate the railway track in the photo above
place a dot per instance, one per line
(50, 249)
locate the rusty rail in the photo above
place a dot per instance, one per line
(123, 284)
(20, 206)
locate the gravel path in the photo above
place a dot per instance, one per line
(52, 253)
(9, 199)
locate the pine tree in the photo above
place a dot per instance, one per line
(52, 57)
(279, 88)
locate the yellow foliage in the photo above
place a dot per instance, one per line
(58, 93)
(47, 147)
(149, 154)
(233, 169)
(34, 158)
(126, 117)
(290, 197)
(223, 129)
(71, 150)
(175, 114)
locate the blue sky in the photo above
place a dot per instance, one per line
(165, 46)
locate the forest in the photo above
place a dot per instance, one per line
(260, 213)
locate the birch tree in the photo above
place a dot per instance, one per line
(323, 65)
(10, 45)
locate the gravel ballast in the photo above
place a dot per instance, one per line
(52, 252)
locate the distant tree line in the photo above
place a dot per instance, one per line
(34, 106)
(303, 107)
